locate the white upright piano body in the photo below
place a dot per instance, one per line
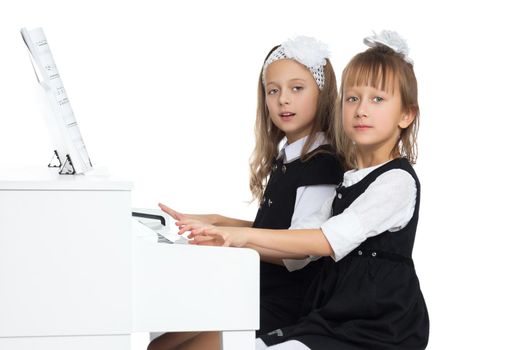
(73, 277)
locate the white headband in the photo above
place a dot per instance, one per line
(391, 39)
(306, 50)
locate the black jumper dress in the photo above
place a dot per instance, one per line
(282, 291)
(371, 298)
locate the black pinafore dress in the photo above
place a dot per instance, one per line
(282, 291)
(371, 298)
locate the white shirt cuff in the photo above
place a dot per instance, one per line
(297, 264)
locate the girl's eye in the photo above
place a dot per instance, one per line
(378, 99)
(297, 88)
(352, 99)
(272, 91)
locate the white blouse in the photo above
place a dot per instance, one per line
(308, 199)
(387, 204)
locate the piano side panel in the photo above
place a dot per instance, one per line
(65, 262)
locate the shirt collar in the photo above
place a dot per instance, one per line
(292, 151)
(353, 176)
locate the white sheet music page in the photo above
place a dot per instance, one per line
(64, 129)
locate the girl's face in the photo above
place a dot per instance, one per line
(291, 98)
(373, 119)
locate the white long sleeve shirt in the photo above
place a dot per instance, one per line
(308, 199)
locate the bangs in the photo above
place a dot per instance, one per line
(372, 70)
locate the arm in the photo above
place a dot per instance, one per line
(227, 221)
(268, 255)
(211, 219)
(290, 242)
(306, 215)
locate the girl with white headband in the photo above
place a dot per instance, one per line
(297, 95)
(367, 295)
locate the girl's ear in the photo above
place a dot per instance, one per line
(407, 118)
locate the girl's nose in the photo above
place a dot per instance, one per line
(361, 111)
(284, 98)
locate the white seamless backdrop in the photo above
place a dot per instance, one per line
(165, 95)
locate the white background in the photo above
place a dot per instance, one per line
(165, 96)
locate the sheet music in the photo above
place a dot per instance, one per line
(64, 129)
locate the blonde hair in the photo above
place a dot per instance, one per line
(383, 69)
(268, 136)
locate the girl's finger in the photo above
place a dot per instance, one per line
(174, 214)
(195, 232)
(184, 229)
(201, 238)
(204, 240)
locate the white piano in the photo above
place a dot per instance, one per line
(73, 277)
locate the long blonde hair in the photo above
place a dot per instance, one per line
(383, 69)
(268, 136)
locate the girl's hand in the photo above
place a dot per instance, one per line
(182, 220)
(174, 214)
(203, 234)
